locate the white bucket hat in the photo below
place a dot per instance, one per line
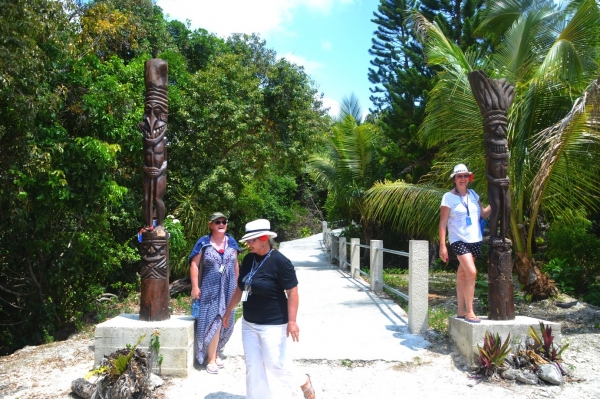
(257, 228)
(460, 168)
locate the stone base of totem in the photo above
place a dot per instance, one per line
(176, 340)
(467, 336)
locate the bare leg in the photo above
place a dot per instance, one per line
(460, 289)
(466, 273)
(211, 351)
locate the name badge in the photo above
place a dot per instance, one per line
(246, 293)
(222, 268)
(468, 220)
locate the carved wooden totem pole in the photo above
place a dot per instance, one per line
(494, 97)
(154, 239)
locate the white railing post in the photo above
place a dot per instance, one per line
(324, 224)
(343, 253)
(355, 257)
(334, 247)
(418, 285)
(376, 261)
(328, 242)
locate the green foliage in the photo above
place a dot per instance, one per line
(118, 365)
(47, 337)
(493, 353)
(566, 277)
(574, 252)
(154, 347)
(481, 292)
(183, 302)
(544, 345)
(437, 319)
(178, 247)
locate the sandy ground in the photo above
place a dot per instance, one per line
(46, 371)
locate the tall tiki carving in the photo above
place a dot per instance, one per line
(494, 97)
(154, 244)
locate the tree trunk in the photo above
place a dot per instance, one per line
(534, 282)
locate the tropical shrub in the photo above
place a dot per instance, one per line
(544, 345)
(493, 353)
(574, 253)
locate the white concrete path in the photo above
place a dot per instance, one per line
(339, 318)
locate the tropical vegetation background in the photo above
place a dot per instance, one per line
(248, 135)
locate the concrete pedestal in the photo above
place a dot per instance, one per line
(176, 340)
(467, 335)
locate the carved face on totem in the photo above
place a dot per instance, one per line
(155, 119)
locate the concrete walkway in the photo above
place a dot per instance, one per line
(339, 318)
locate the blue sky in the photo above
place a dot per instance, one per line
(329, 38)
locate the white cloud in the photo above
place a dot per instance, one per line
(310, 67)
(326, 46)
(334, 106)
(224, 17)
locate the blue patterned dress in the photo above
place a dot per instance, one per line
(215, 293)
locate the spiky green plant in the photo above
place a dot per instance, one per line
(118, 365)
(493, 353)
(544, 344)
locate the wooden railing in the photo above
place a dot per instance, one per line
(418, 271)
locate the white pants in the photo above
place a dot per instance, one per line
(265, 349)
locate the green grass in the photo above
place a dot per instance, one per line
(439, 282)
(438, 319)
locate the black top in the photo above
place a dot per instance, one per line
(267, 303)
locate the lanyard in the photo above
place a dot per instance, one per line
(255, 268)
(465, 205)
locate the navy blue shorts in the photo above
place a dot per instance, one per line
(461, 248)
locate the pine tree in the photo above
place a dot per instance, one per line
(402, 79)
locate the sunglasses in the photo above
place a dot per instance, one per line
(217, 222)
(250, 241)
(462, 176)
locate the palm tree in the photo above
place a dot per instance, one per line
(348, 167)
(548, 53)
(350, 106)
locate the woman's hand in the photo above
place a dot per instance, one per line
(226, 318)
(444, 253)
(196, 293)
(293, 330)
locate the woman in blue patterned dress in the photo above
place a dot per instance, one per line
(218, 253)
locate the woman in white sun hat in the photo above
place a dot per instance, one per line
(268, 289)
(460, 212)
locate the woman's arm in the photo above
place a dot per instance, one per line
(194, 276)
(236, 266)
(444, 214)
(485, 212)
(233, 302)
(292, 305)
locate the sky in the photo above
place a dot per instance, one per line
(329, 38)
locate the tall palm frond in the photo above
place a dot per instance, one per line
(407, 207)
(567, 172)
(351, 106)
